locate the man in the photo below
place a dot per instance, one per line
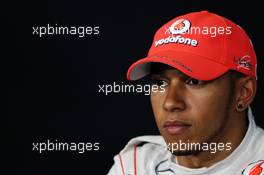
(205, 68)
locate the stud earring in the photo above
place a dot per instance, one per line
(240, 107)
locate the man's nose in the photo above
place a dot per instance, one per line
(174, 100)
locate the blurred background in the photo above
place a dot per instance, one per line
(53, 80)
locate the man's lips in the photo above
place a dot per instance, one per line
(175, 127)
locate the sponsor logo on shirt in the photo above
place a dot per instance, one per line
(255, 168)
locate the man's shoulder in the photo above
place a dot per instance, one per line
(259, 140)
(260, 131)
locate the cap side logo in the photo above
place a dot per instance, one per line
(244, 62)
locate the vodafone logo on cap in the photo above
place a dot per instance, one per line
(175, 30)
(180, 26)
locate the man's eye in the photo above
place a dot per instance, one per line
(159, 82)
(192, 81)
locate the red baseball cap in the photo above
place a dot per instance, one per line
(202, 45)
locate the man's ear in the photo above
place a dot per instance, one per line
(246, 88)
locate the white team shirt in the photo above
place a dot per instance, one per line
(148, 155)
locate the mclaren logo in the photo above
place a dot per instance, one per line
(244, 62)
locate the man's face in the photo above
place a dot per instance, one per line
(189, 110)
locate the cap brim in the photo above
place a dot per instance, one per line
(193, 65)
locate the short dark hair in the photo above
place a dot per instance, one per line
(235, 75)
